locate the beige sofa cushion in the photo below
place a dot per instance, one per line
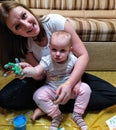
(95, 30)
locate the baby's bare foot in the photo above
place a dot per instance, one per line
(37, 113)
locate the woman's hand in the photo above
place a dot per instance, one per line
(7, 73)
(63, 93)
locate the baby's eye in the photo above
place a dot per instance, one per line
(62, 51)
(54, 50)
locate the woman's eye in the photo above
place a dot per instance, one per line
(17, 27)
(24, 15)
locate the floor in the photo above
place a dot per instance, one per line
(95, 120)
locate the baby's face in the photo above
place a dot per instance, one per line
(59, 51)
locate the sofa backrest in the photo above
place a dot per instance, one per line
(73, 8)
(71, 4)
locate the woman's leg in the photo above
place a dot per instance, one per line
(18, 94)
(103, 94)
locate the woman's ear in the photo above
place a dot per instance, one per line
(71, 48)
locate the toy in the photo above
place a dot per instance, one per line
(13, 66)
(19, 122)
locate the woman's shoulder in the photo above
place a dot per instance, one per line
(53, 22)
(51, 17)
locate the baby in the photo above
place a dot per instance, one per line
(58, 67)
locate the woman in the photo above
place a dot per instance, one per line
(19, 27)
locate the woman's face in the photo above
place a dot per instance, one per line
(21, 22)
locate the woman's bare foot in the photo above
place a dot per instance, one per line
(37, 113)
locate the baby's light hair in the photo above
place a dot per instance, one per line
(63, 35)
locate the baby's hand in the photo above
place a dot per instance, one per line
(27, 72)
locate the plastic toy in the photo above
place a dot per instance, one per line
(13, 66)
(19, 122)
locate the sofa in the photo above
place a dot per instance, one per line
(95, 23)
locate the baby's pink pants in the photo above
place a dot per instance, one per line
(45, 96)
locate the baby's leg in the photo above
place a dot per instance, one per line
(56, 122)
(81, 103)
(79, 121)
(44, 97)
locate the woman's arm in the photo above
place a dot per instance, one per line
(64, 91)
(31, 59)
(80, 51)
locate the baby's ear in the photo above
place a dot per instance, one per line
(49, 46)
